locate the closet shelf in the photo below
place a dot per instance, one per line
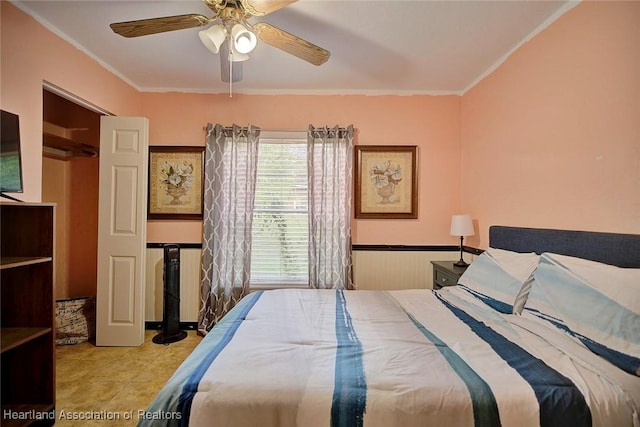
(61, 142)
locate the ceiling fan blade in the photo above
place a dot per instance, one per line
(291, 44)
(263, 7)
(236, 70)
(145, 27)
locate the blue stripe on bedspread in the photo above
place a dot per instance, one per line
(624, 361)
(485, 408)
(561, 403)
(491, 302)
(350, 390)
(191, 386)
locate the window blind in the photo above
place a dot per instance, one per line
(279, 248)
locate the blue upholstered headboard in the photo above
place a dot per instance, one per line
(622, 250)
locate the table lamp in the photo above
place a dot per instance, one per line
(462, 226)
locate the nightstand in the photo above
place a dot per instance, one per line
(446, 274)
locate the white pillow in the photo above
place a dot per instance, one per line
(497, 276)
(599, 304)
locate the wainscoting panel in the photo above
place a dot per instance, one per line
(393, 269)
(189, 284)
(373, 269)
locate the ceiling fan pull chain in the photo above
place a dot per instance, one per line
(230, 79)
(230, 66)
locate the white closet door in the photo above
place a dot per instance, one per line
(122, 231)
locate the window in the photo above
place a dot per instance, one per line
(279, 248)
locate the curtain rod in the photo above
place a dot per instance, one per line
(263, 130)
(285, 134)
(228, 128)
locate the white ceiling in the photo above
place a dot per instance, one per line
(377, 47)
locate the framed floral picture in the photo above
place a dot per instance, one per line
(386, 181)
(175, 182)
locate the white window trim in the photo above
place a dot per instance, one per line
(287, 136)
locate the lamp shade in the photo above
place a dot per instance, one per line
(213, 37)
(461, 225)
(238, 57)
(244, 41)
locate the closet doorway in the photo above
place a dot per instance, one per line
(70, 174)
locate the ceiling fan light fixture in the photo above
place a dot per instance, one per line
(244, 41)
(213, 37)
(238, 57)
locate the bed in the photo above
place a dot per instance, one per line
(525, 339)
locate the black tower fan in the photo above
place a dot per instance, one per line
(171, 307)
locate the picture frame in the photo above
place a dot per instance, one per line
(176, 183)
(386, 182)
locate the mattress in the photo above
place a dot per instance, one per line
(303, 357)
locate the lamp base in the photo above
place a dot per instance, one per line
(461, 262)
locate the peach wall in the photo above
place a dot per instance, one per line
(32, 54)
(430, 122)
(552, 137)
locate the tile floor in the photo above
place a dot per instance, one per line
(113, 382)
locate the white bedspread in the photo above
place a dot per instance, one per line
(397, 358)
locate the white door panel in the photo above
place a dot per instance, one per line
(122, 228)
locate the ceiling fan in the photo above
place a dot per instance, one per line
(233, 27)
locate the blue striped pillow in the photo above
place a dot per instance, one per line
(599, 304)
(497, 276)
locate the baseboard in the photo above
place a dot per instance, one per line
(157, 325)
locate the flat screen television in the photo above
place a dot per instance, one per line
(10, 156)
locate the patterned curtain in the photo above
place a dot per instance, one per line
(230, 177)
(330, 162)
